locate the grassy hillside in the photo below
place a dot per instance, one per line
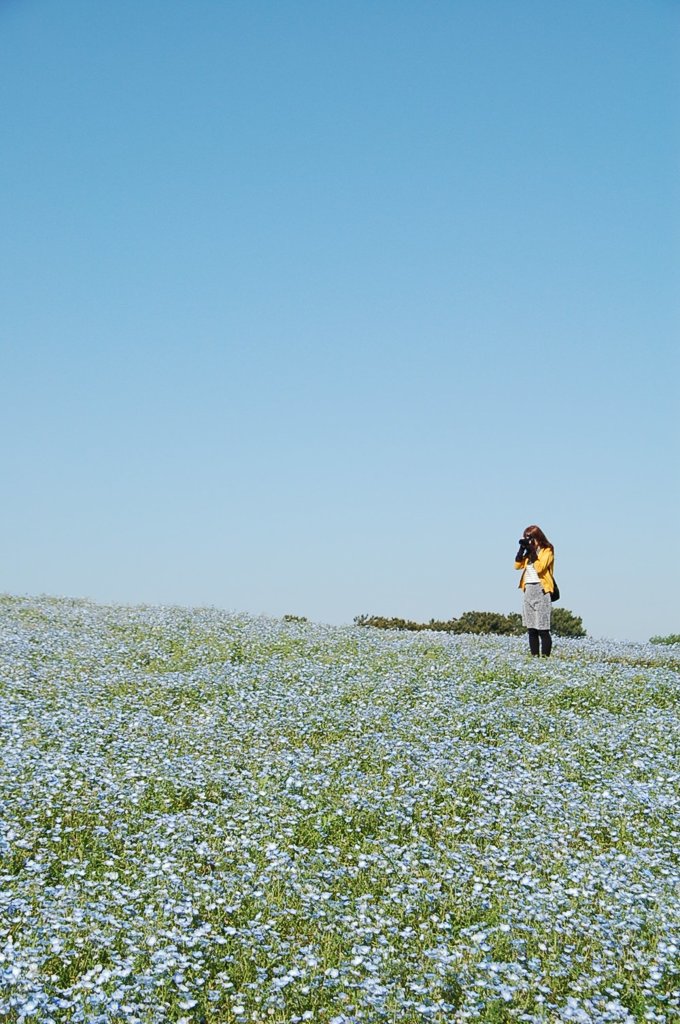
(212, 817)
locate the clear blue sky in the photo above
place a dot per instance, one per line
(312, 307)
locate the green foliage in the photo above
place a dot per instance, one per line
(563, 623)
(295, 618)
(489, 622)
(672, 638)
(383, 622)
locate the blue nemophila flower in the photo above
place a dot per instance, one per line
(210, 816)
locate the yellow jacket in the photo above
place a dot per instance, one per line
(543, 565)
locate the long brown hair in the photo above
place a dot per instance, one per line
(536, 533)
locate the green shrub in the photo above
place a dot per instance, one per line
(672, 638)
(488, 622)
(383, 622)
(564, 623)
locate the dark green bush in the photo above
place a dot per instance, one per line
(382, 622)
(564, 623)
(488, 622)
(672, 638)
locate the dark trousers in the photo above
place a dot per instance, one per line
(542, 637)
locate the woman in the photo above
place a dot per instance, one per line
(536, 558)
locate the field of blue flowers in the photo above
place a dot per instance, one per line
(209, 817)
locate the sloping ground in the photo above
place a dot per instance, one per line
(212, 817)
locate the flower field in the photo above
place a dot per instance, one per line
(209, 817)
